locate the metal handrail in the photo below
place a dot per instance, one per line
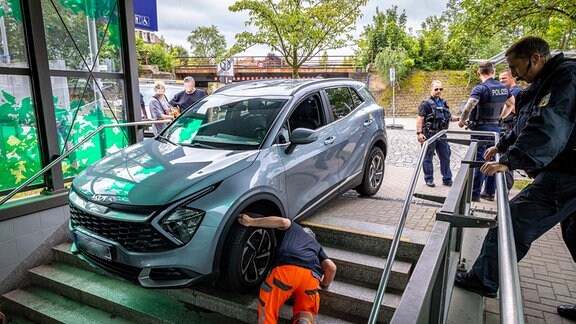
(510, 301)
(399, 228)
(511, 310)
(74, 148)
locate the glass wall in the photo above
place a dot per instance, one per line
(19, 150)
(81, 87)
(83, 35)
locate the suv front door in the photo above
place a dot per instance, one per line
(311, 170)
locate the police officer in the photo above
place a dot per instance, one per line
(508, 117)
(488, 99)
(434, 116)
(543, 143)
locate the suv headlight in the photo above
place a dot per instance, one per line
(183, 223)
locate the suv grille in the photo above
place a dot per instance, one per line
(135, 237)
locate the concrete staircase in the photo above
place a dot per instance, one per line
(68, 290)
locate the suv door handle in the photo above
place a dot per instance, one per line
(329, 140)
(368, 122)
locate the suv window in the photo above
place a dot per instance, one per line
(225, 122)
(308, 114)
(342, 101)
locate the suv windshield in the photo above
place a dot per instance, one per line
(225, 122)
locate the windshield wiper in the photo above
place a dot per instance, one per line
(162, 137)
(196, 144)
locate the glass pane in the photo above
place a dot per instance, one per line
(12, 47)
(80, 109)
(19, 151)
(82, 35)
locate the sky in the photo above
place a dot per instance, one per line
(177, 18)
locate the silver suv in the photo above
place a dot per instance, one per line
(163, 211)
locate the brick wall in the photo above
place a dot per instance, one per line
(416, 88)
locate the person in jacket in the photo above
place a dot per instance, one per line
(187, 97)
(543, 143)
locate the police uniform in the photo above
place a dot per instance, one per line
(506, 125)
(491, 96)
(436, 115)
(543, 143)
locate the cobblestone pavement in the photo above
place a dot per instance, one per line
(547, 273)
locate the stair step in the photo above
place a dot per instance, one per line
(12, 318)
(368, 268)
(208, 297)
(367, 238)
(121, 297)
(43, 306)
(354, 303)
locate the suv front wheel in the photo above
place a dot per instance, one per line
(248, 258)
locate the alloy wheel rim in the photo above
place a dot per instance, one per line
(256, 256)
(376, 171)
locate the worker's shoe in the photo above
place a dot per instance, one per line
(487, 196)
(430, 184)
(476, 199)
(447, 183)
(567, 311)
(468, 281)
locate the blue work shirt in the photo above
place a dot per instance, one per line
(300, 249)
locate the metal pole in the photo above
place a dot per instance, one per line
(65, 154)
(399, 229)
(511, 310)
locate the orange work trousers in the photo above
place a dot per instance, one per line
(282, 282)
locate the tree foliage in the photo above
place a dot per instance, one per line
(396, 58)
(207, 42)
(297, 29)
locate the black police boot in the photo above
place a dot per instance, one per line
(567, 311)
(468, 281)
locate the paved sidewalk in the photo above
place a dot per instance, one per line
(547, 273)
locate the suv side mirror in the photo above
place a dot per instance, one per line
(301, 136)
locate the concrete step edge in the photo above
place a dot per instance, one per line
(115, 296)
(42, 306)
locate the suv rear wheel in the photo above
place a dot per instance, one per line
(248, 258)
(373, 173)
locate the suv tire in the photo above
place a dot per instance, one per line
(248, 258)
(373, 173)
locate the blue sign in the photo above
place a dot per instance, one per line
(145, 15)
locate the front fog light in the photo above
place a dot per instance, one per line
(183, 223)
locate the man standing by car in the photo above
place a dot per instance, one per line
(300, 267)
(434, 116)
(543, 142)
(189, 96)
(487, 99)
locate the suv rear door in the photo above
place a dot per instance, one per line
(354, 120)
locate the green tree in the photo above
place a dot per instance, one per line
(298, 29)
(388, 29)
(207, 42)
(554, 20)
(324, 59)
(158, 55)
(393, 57)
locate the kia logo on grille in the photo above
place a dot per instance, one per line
(98, 197)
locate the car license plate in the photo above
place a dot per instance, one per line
(93, 246)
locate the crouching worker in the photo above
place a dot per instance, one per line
(300, 267)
